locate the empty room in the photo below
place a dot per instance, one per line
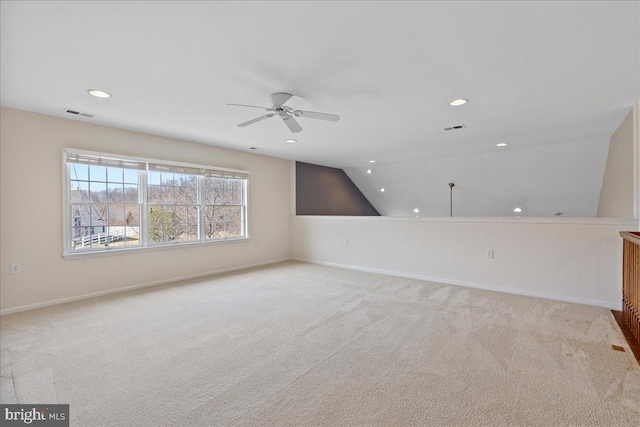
(320, 213)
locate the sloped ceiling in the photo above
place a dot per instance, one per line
(553, 79)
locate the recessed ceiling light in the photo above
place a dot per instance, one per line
(369, 171)
(517, 210)
(501, 144)
(372, 161)
(99, 93)
(382, 189)
(458, 102)
(416, 210)
(290, 141)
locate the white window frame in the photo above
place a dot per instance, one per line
(145, 244)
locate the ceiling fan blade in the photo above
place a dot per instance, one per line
(252, 106)
(314, 115)
(292, 124)
(279, 98)
(250, 122)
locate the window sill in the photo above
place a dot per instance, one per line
(125, 250)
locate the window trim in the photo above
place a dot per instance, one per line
(142, 188)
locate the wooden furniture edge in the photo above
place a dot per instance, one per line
(631, 340)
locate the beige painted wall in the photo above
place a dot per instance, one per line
(616, 194)
(569, 259)
(31, 211)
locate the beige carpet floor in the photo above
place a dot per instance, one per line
(305, 345)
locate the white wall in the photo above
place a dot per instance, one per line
(616, 194)
(569, 259)
(31, 212)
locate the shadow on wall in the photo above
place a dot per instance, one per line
(321, 190)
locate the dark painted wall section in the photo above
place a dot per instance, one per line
(321, 190)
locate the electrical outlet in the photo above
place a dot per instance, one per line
(15, 268)
(489, 253)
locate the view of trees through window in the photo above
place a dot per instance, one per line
(173, 207)
(106, 204)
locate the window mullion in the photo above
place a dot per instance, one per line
(202, 229)
(144, 216)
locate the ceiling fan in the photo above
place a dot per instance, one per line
(286, 113)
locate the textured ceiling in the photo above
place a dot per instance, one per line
(553, 79)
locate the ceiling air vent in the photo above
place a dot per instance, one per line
(456, 127)
(79, 113)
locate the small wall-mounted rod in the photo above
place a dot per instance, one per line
(451, 185)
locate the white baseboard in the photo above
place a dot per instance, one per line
(556, 297)
(134, 287)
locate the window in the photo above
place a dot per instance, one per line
(224, 206)
(172, 200)
(118, 202)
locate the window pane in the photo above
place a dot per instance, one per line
(237, 198)
(131, 193)
(154, 194)
(232, 213)
(208, 191)
(132, 236)
(115, 194)
(187, 193)
(180, 179)
(192, 232)
(132, 215)
(228, 192)
(130, 176)
(116, 215)
(166, 178)
(99, 216)
(153, 178)
(79, 192)
(218, 230)
(193, 217)
(215, 188)
(169, 232)
(114, 174)
(98, 173)
(167, 194)
(80, 237)
(232, 229)
(98, 191)
(78, 171)
(155, 223)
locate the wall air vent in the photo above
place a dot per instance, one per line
(456, 127)
(79, 113)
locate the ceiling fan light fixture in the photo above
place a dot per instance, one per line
(458, 102)
(286, 113)
(99, 93)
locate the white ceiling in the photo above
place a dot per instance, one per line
(554, 79)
